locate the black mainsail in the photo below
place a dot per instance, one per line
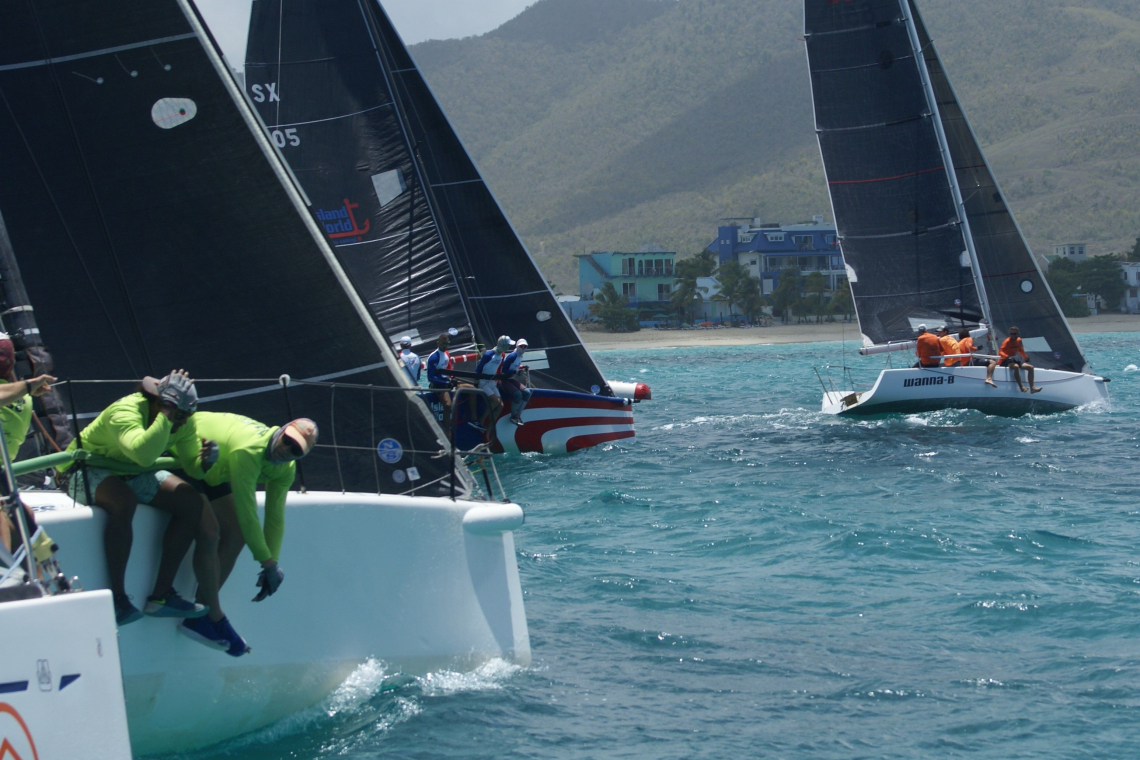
(894, 210)
(1015, 288)
(409, 214)
(156, 228)
(924, 229)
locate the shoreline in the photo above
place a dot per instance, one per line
(794, 333)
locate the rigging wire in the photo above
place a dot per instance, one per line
(119, 277)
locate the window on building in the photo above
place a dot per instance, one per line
(641, 266)
(803, 242)
(659, 267)
(774, 237)
(627, 267)
(830, 239)
(629, 289)
(752, 262)
(837, 262)
(669, 267)
(663, 291)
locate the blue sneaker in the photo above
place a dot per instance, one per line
(125, 612)
(204, 631)
(237, 645)
(173, 605)
(220, 635)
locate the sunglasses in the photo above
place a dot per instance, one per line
(292, 447)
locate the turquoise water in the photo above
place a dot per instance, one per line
(749, 578)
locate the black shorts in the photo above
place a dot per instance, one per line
(1010, 361)
(204, 488)
(439, 387)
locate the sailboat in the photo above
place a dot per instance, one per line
(410, 217)
(926, 234)
(154, 227)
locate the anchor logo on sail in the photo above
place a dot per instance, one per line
(341, 222)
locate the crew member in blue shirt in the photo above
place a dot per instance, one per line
(438, 364)
(509, 381)
(489, 365)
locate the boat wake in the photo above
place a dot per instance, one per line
(370, 702)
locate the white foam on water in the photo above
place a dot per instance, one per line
(487, 677)
(1132, 368)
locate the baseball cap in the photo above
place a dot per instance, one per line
(303, 432)
(405, 341)
(521, 343)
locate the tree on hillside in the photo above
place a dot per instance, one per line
(1134, 254)
(734, 283)
(787, 293)
(611, 307)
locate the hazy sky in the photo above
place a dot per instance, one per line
(416, 20)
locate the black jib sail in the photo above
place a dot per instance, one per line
(156, 228)
(409, 215)
(894, 209)
(1016, 290)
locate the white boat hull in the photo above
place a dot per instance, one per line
(61, 694)
(420, 584)
(910, 391)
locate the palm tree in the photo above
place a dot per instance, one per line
(734, 282)
(686, 297)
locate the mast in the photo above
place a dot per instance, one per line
(18, 319)
(951, 175)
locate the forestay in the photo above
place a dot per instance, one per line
(409, 214)
(894, 210)
(156, 228)
(1017, 292)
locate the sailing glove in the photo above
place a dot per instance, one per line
(178, 389)
(269, 579)
(209, 454)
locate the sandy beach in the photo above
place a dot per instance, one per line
(793, 333)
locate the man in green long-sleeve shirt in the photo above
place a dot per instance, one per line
(135, 431)
(249, 454)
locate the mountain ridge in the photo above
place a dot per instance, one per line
(608, 124)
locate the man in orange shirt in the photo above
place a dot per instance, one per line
(927, 347)
(1012, 354)
(965, 346)
(947, 346)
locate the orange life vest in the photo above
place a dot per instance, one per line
(928, 346)
(965, 346)
(1011, 346)
(949, 346)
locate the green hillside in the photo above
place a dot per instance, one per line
(608, 124)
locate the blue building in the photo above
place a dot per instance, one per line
(765, 250)
(643, 277)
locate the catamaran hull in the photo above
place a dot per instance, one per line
(420, 584)
(910, 391)
(554, 422)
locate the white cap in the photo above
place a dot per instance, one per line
(921, 328)
(405, 341)
(521, 342)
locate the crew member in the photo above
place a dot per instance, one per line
(135, 431)
(509, 383)
(927, 347)
(17, 413)
(947, 346)
(16, 416)
(249, 454)
(438, 364)
(410, 359)
(965, 346)
(1012, 354)
(488, 368)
